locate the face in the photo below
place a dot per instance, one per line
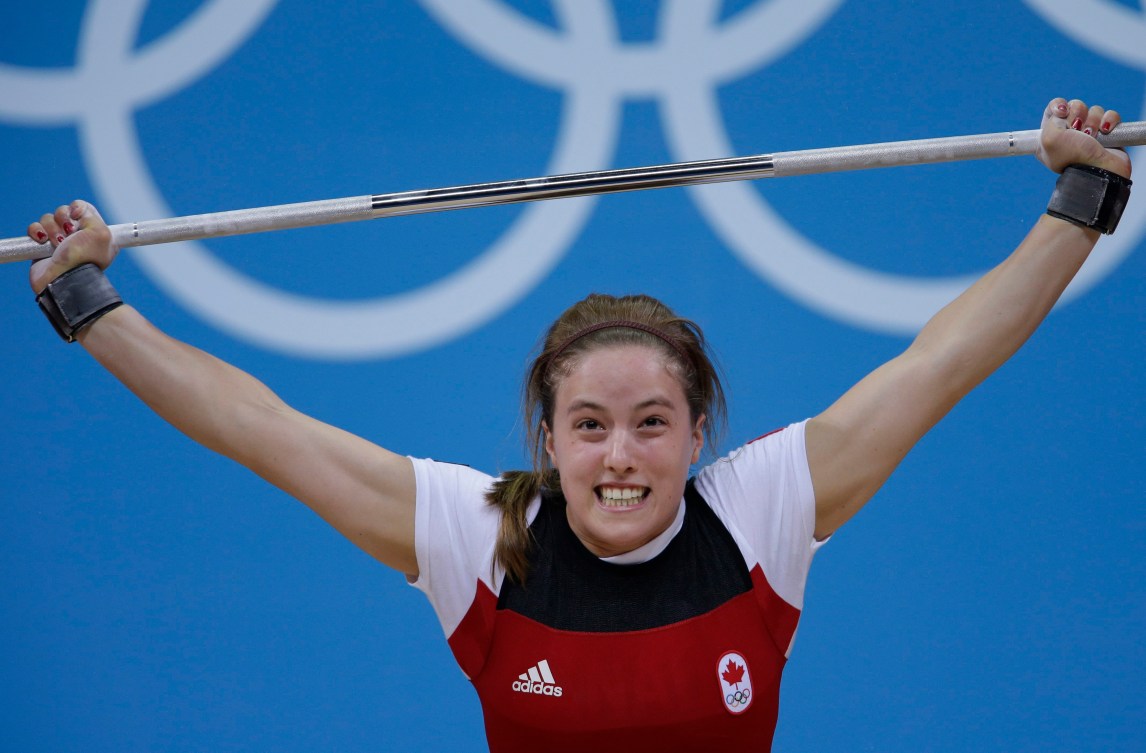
(623, 440)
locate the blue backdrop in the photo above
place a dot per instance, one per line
(156, 597)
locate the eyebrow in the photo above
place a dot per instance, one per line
(577, 405)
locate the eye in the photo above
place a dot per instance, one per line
(588, 424)
(654, 421)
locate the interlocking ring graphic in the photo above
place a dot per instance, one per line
(739, 698)
(693, 54)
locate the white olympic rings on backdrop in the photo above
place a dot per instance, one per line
(1110, 29)
(770, 246)
(692, 54)
(291, 323)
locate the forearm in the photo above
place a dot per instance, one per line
(205, 398)
(363, 490)
(856, 444)
(972, 336)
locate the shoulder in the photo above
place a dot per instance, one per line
(448, 468)
(762, 492)
(452, 521)
(774, 460)
(436, 479)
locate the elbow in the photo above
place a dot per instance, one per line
(241, 429)
(950, 368)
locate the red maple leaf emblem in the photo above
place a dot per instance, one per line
(733, 674)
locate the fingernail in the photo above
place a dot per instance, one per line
(69, 228)
(1076, 124)
(59, 239)
(1106, 127)
(1061, 107)
(41, 236)
(1088, 131)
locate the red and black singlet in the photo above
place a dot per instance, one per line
(682, 651)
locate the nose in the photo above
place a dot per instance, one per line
(619, 454)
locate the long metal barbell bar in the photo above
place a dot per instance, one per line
(778, 165)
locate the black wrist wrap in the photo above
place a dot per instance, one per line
(1090, 197)
(77, 298)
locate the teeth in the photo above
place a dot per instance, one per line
(626, 497)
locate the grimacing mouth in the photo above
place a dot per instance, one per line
(621, 496)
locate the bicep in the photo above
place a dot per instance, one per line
(856, 443)
(364, 491)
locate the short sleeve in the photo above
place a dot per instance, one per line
(455, 531)
(763, 493)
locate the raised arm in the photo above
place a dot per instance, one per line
(364, 491)
(855, 444)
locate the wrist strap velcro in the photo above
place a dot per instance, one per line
(77, 298)
(1090, 196)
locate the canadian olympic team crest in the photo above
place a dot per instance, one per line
(694, 53)
(735, 682)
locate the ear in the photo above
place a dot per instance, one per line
(549, 444)
(698, 437)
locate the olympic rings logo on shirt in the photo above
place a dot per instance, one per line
(694, 53)
(735, 678)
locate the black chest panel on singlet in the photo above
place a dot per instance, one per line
(570, 588)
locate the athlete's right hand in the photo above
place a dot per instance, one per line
(78, 236)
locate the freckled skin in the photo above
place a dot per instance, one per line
(621, 420)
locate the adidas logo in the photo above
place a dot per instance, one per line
(538, 680)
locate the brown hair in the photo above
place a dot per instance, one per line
(597, 321)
